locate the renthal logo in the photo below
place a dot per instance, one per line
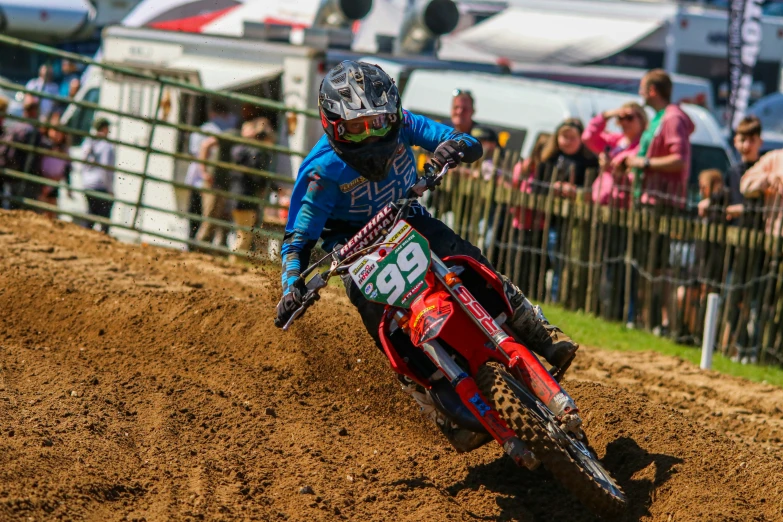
(478, 311)
(369, 232)
(422, 314)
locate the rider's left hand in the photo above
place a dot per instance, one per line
(448, 153)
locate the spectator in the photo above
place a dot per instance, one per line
(662, 163)
(54, 168)
(564, 163)
(765, 176)
(747, 141)
(218, 120)
(567, 157)
(764, 180)
(489, 142)
(70, 80)
(711, 192)
(524, 177)
(246, 213)
(462, 110)
(3, 112)
(218, 178)
(19, 159)
(614, 181)
(44, 84)
(99, 177)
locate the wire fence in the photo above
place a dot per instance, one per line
(648, 265)
(152, 202)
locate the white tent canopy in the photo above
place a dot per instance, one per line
(223, 74)
(559, 32)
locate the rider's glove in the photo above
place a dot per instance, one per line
(291, 301)
(448, 153)
(288, 305)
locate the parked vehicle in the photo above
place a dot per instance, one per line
(524, 108)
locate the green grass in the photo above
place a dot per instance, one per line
(598, 333)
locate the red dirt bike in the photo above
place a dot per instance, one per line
(443, 328)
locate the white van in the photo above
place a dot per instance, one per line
(525, 108)
(685, 89)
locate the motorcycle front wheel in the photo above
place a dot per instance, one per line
(569, 460)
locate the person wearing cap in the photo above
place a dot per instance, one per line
(98, 172)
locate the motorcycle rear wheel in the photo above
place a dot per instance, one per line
(570, 461)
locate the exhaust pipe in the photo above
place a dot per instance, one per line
(341, 13)
(424, 23)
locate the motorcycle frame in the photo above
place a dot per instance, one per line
(448, 312)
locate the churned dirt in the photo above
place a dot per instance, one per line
(138, 383)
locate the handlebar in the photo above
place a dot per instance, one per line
(319, 281)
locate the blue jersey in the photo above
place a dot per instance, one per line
(329, 194)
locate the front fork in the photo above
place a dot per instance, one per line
(471, 397)
(519, 359)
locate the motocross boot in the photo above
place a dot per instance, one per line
(463, 440)
(529, 323)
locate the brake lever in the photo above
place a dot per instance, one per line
(314, 285)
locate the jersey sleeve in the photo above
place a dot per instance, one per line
(428, 134)
(316, 197)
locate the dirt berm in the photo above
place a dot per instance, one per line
(140, 383)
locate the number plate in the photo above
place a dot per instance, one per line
(394, 273)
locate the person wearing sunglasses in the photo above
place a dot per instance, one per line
(462, 110)
(365, 161)
(613, 183)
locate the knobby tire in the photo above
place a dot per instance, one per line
(491, 380)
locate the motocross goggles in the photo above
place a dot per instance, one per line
(359, 129)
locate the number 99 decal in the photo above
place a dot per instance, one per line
(398, 276)
(410, 260)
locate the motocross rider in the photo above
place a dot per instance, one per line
(364, 162)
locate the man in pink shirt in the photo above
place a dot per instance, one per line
(662, 165)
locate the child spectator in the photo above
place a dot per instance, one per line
(747, 141)
(99, 177)
(524, 177)
(711, 192)
(54, 168)
(614, 181)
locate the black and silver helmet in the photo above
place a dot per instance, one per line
(361, 115)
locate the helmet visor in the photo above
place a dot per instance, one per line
(360, 129)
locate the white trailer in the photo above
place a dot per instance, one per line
(287, 73)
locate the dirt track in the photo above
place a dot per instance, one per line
(145, 384)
